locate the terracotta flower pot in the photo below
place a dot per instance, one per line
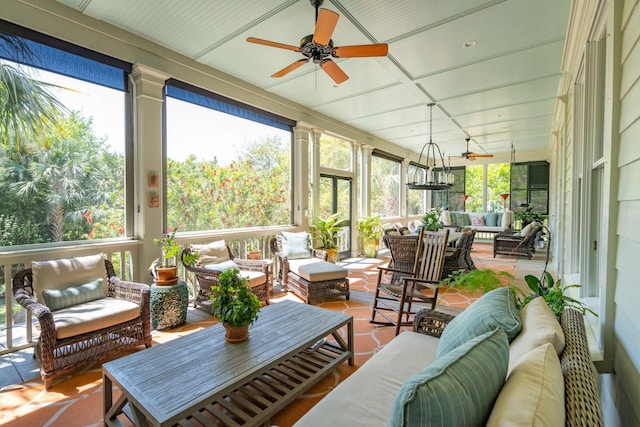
(254, 254)
(166, 276)
(235, 334)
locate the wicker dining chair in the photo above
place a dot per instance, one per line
(398, 288)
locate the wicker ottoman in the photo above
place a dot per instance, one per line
(319, 280)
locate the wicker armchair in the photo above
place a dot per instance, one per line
(256, 270)
(60, 356)
(512, 243)
(282, 260)
(459, 257)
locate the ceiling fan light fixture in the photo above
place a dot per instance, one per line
(435, 178)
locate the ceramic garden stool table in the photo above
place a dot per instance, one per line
(169, 305)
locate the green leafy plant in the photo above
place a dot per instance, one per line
(190, 257)
(233, 302)
(370, 227)
(479, 280)
(170, 248)
(527, 215)
(553, 293)
(325, 229)
(431, 219)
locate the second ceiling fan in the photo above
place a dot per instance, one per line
(469, 155)
(319, 47)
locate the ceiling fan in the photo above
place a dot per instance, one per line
(319, 47)
(472, 156)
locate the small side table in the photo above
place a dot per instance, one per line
(168, 305)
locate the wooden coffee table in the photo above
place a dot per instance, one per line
(201, 377)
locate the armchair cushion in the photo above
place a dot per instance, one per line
(93, 315)
(62, 273)
(459, 388)
(296, 245)
(212, 253)
(494, 309)
(222, 266)
(57, 299)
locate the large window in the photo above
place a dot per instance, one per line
(228, 166)
(385, 186)
(335, 153)
(416, 198)
(451, 199)
(530, 186)
(63, 127)
(498, 181)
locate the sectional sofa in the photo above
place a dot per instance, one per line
(490, 365)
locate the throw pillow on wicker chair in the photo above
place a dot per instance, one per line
(212, 253)
(296, 245)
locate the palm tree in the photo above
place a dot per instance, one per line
(27, 107)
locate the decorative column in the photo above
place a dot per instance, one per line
(150, 174)
(300, 166)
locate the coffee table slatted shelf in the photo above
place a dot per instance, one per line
(237, 384)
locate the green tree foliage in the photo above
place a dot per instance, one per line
(252, 191)
(385, 187)
(71, 190)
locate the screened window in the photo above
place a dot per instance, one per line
(530, 186)
(417, 198)
(335, 153)
(385, 186)
(498, 180)
(451, 199)
(63, 177)
(228, 166)
(473, 188)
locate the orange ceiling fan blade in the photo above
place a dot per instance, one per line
(273, 44)
(480, 155)
(289, 68)
(326, 23)
(359, 51)
(335, 72)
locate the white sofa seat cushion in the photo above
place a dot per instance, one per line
(321, 271)
(91, 316)
(369, 393)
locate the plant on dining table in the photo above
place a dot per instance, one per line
(431, 220)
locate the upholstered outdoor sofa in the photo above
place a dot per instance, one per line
(490, 365)
(482, 222)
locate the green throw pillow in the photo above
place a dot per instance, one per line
(458, 389)
(57, 299)
(494, 309)
(465, 220)
(295, 245)
(491, 219)
(455, 218)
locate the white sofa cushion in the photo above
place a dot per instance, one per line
(367, 396)
(61, 274)
(539, 326)
(93, 315)
(533, 394)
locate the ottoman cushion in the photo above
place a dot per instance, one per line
(321, 271)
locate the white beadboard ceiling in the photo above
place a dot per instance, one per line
(500, 92)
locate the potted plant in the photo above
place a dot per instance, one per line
(526, 215)
(253, 252)
(553, 293)
(165, 269)
(324, 233)
(234, 305)
(370, 231)
(431, 220)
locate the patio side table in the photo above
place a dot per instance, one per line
(168, 305)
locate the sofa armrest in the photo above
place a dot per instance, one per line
(138, 293)
(260, 265)
(431, 322)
